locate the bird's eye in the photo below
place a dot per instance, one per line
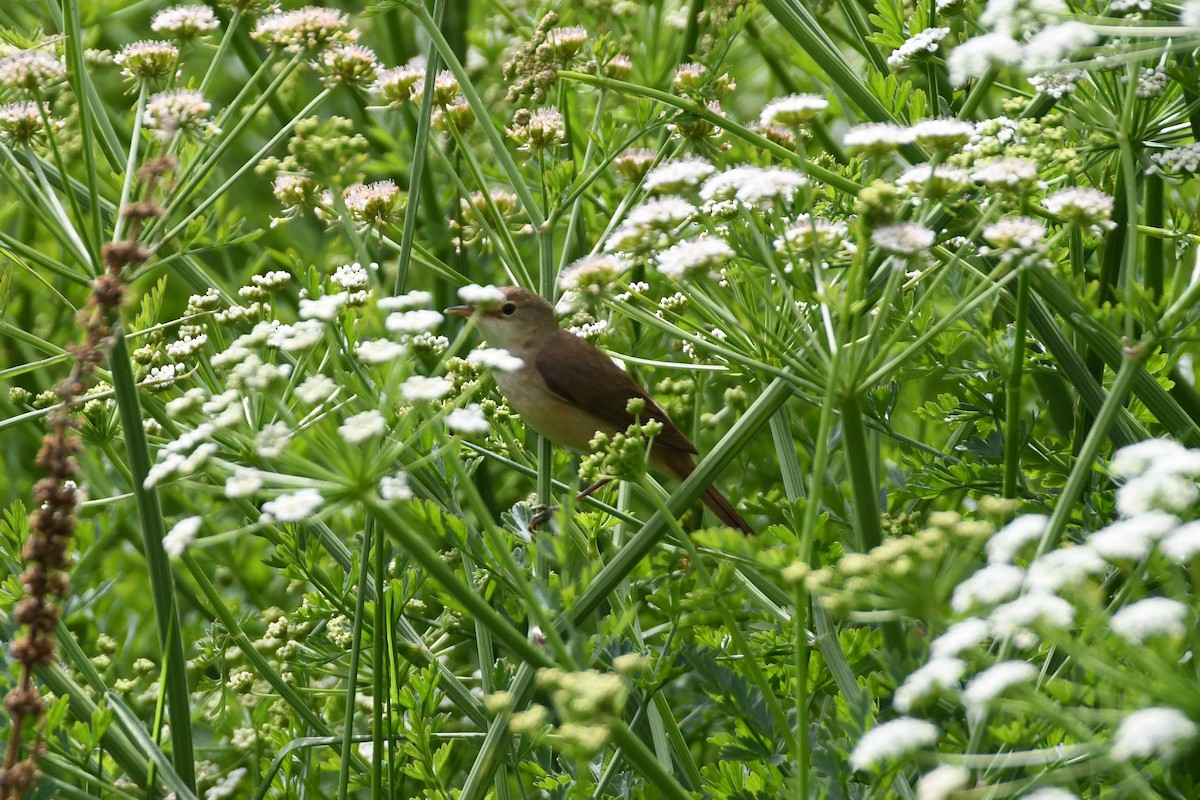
(509, 309)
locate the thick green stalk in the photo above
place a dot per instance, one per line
(644, 761)
(860, 463)
(352, 675)
(1155, 217)
(162, 592)
(1012, 396)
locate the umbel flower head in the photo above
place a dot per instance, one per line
(147, 60)
(395, 85)
(178, 110)
(350, 64)
(185, 23)
(31, 70)
(537, 130)
(22, 123)
(308, 28)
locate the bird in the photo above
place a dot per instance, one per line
(568, 390)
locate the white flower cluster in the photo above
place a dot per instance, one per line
(1034, 34)
(1027, 591)
(918, 45)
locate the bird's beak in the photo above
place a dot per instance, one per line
(460, 311)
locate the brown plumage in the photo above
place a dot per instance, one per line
(568, 390)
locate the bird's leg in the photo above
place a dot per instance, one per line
(542, 513)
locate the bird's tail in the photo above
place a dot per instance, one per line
(680, 465)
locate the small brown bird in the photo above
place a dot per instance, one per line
(568, 390)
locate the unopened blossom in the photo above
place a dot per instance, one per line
(1006, 543)
(960, 636)
(378, 351)
(468, 420)
(993, 584)
(1159, 733)
(995, 681)
(592, 273)
(793, 111)
(293, 507)
(972, 59)
(178, 110)
(147, 60)
(566, 42)
(1154, 616)
(942, 134)
(226, 786)
(410, 322)
(350, 64)
(495, 358)
(316, 388)
(31, 70)
(936, 676)
(903, 239)
(919, 44)
(371, 203)
(421, 387)
(1081, 206)
(891, 740)
(185, 23)
(694, 257)
(181, 535)
(305, 28)
(395, 487)
(395, 85)
(877, 138)
(677, 176)
(940, 783)
(1063, 568)
(326, 307)
(403, 302)
(359, 428)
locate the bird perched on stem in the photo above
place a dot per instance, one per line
(568, 390)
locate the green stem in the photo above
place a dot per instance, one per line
(860, 464)
(162, 593)
(644, 761)
(352, 676)
(420, 152)
(1012, 398)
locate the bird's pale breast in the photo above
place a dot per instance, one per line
(542, 410)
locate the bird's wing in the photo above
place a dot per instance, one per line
(586, 378)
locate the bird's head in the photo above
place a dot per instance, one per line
(520, 321)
